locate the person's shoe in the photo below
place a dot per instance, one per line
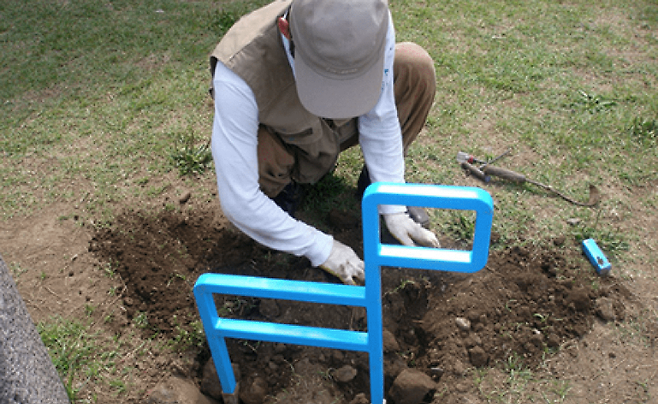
(362, 183)
(417, 214)
(290, 198)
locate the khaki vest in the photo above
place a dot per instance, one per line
(252, 49)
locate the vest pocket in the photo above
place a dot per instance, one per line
(306, 137)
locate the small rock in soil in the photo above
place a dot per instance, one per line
(573, 221)
(559, 241)
(184, 198)
(436, 371)
(463, 324)
(345, 374)
(411, 387)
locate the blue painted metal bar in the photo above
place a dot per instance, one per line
(217, 344)
(286, 289)
(293, 334)
(377, 255)
(217, 329)
(432, 196)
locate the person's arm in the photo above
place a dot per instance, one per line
(234, 150)
(380, 135)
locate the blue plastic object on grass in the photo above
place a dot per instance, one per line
(596, 257)
(376, 255)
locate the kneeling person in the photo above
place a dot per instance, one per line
(297, 82)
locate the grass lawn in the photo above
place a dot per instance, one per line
(104, 104)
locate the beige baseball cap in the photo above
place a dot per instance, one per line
(339, 54)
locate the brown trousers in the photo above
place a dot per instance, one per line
(415, 87)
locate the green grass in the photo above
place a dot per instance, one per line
(559, 83)
(511, 381)
(76, 353)
(113, 107)
(98, 95)
(189, 158)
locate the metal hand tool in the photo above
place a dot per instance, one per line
(513, 176)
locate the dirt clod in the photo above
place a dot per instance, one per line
(411, 387)
(210, 385)
(177, 390)
(390, 343)
(360, 399)
(478, 356)
(345, 374)
(254, 392)
(605, 309)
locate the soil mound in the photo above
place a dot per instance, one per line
(523, 306)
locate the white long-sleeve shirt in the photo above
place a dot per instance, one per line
(234, 150)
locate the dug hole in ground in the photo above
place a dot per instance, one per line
(539, 311)
(533, 308)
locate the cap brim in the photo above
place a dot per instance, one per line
(339, 99)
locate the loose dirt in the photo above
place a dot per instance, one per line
(527, 307)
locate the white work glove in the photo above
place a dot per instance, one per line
(344, 264)
(408, 232)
